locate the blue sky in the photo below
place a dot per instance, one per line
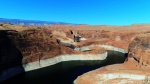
(93, 12)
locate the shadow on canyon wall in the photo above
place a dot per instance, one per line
(115, 57)
(10, 57)
(65, 72)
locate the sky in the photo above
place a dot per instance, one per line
(92, 12)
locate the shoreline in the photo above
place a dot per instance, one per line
(62, 58)
(52, 61)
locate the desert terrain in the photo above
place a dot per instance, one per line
(42, 42)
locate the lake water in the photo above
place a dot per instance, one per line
(64, 72)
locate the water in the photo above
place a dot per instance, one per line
(64, 72)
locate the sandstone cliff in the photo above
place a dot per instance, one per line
(135, 70)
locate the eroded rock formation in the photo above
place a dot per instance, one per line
(135, 70)
(42, 42)
(139, 49)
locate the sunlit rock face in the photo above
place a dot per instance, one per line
(135, 70)
(139, 49)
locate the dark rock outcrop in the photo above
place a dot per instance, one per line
(10, 56)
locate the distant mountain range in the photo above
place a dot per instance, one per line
(31, 22)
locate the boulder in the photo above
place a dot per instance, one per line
(139, 49)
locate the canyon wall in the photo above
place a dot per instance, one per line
(135, 70)
(33, 44)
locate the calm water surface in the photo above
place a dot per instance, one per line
(64, 72)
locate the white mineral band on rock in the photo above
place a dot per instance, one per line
(51, 61)
(84, 48)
